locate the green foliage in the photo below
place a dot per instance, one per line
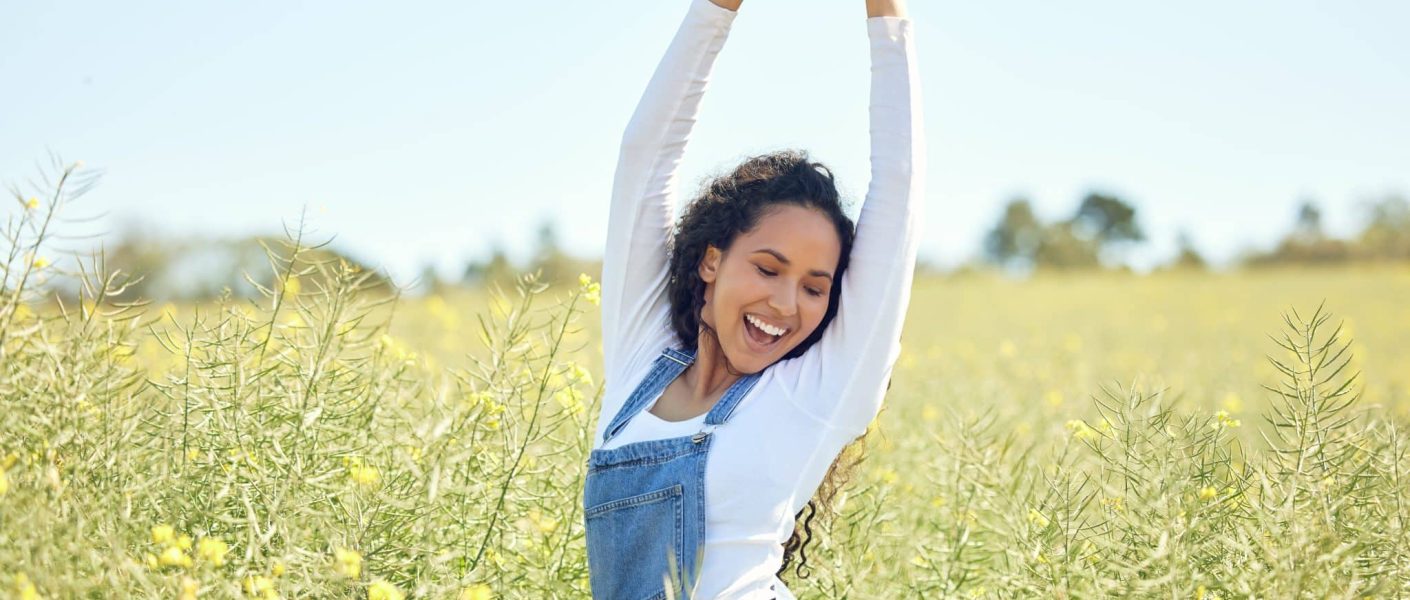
(297, 433)
(1098, 230)
(292, 446)
(1385, 236)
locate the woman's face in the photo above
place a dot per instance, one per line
(779, 273)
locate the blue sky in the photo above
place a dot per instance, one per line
(423, 131)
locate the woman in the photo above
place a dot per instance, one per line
(730, 388)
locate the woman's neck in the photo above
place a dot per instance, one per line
(708, 376)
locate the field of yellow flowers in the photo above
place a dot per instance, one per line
(1186, 435)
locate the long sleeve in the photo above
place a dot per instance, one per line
(635, 308)
(852, 362)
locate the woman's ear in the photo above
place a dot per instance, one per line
(710, 264)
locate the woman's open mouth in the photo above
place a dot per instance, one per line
(760, 340)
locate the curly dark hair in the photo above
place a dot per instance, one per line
(730, 205)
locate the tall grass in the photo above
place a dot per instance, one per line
(291, 446)
(297, 447)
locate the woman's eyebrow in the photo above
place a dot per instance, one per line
(784, 259)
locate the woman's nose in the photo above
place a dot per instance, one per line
(784, 301)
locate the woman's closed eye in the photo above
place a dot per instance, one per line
(768, 273)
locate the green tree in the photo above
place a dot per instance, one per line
(1386, 235)
(1109, 222)
(1305, 243)
(497, 269)
(1062, 248)
(1186, 256)
(1015, 238)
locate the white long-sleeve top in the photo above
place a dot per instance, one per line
(766, 463)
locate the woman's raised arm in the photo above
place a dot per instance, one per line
(635, 308)
(852, 362)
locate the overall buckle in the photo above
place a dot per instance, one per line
(700, 435)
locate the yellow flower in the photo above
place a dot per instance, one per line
(277, 569)
(349, 562)
(24, 588)
(163, 534)
(477, 591)
(174, 557)
(4, 483)
(592, 291)
(570, 399)
(183, 542)
(1007, 349)
(361, 473)
(212, 550)
(1233, 402)
(474, 399)
(545, 524)
(32, 203)
(238, 455)
(580, 375)
(1221, 420)
(41, 262)
(1037, 518)
(1080, 430)
(1207, 493)
(381, 590)
(260, 586)
(929, 413)
(189, 587)
(151, 560)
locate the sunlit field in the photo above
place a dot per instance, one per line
(1067, 436)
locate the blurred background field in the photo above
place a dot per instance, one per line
(1054, 428)
(1037, 349)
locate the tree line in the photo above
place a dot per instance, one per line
(1097, 235)
(1103, 228)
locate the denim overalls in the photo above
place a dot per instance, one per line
(644, 502)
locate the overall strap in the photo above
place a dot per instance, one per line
(664, 369)
(724, 408)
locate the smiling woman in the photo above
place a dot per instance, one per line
(730, 256)
(747, 348)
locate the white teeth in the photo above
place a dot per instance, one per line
(769, 329)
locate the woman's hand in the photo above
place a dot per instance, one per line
(886, 8)
(729, 4)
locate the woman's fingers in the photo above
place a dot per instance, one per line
(886, 8)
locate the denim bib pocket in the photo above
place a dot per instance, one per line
(636, 533)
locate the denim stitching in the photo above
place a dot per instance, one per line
(674, 491)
